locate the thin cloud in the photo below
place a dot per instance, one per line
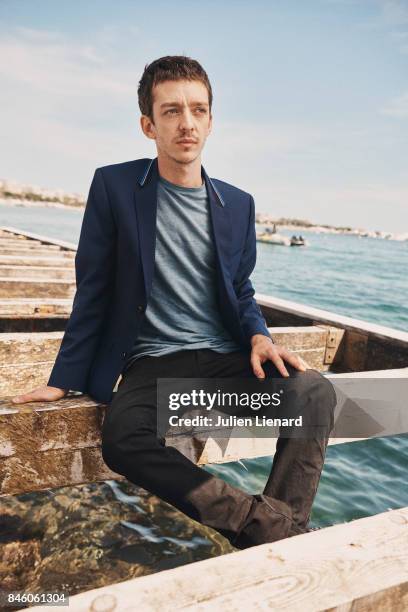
(47, 62)
(397, 107)
(392, 16)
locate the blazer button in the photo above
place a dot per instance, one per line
(140, 308)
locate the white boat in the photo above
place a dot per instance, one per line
(272, 237)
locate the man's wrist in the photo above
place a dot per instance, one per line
(256, 338)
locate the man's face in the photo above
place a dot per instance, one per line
(180, 113)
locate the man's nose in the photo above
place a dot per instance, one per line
(186, 120)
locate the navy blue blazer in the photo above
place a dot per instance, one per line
(114, 270)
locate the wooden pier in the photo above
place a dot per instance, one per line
(360, 565)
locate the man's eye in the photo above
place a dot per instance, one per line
(173, 111)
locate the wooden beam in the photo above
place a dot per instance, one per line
(36, 259)
(22, 251)
(31, 315)
(316, 315)
(334, 344)
(20, 351)
(43, 443)
(26, 360)
(300, 338)
(307, 342)
(44, 272)
(377, 346)
(17, 241)
(359, 566)
(16, 232)
(31, 307)
(28, 245)
(39, 443)
(30, 287)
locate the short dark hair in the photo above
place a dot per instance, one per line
(169, 68)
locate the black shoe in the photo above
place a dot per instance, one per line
(296, 530)
(309, 529)
(268, 520)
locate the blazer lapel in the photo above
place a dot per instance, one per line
(146, 213)
(220, 223)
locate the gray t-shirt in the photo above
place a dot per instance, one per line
(182, 311)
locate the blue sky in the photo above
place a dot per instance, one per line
(310, 98)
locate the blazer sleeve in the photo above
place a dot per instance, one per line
(252, 320)
(94, 269)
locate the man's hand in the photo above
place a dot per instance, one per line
(263, 349)
(41, 394)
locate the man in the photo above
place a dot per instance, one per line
(163, 290)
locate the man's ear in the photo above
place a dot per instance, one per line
(210, 124)
(146, 124)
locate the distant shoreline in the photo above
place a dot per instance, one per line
(31, 195)
(12, 194)
(298, 226)
(43, 203)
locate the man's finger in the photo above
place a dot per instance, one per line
(294, 360)
(307, 365)
(276, 359)
(21, 399)
(257, 367)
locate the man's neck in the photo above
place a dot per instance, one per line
(185, 175)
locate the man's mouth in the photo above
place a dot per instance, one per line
(187, 141)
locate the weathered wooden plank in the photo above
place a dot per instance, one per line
(36, 260)
(29, 348)
(27, 359)
(293, 338)
(35, 367)
(313, 357)
(49, 450)
(38, 440)
(52, 469)
(29, 315)
(28, 287)
(334, 344)
(308, 342)
(300, 338)
(17, 241)
(13, 231)
(385, 348)
(8, 236)
(355, 350)
(29, 307)
(48, 272)
(36, 428)
(311, 314)
(19, 378)
(38, 250)
(31, 246)
(361, 565)
(42, 322)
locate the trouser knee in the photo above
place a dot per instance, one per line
(322, 399)
(312, 396)
(128, 450)
(112, 455)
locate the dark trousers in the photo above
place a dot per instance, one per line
(131, 447)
